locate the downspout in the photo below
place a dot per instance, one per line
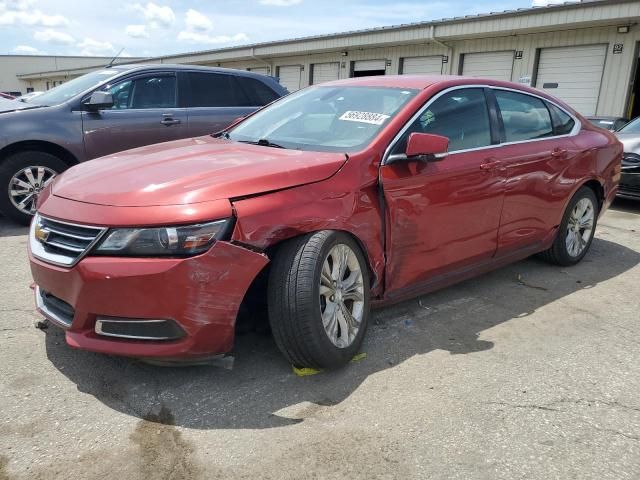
(434, 39)
(261, 60)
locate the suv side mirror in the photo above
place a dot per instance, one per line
(423, 147)
(99, 101)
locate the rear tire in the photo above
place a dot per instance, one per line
(22, 176)
(576, 230)
(318, 296)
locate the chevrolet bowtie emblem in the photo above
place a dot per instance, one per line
(41, 234)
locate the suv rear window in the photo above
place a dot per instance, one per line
(211, 90)
(258, 93)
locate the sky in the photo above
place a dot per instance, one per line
(162, 27)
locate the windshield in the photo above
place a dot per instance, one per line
(631, 127)
(343, 119)
(70, 89)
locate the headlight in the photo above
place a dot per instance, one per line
(149, 242)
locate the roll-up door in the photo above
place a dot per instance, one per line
(289, 76)
(368, 65)
(422, 65)
(493, 65)
(573, 74)
(325, 72)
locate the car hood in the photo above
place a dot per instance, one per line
(192, 171)
(631, 142)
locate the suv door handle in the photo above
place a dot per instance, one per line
(167, 119)
(559, 153)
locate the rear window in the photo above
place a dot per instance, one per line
(211, 90)
(258, 93)
(564, 123)
(524, 117)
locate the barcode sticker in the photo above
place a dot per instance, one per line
(364, 117)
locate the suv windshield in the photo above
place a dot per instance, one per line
(631, 127)
(341, 119)
(70, 89)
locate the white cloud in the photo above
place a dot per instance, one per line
(53, 36)
(156, 15)
(95, 48)
(196, 21)
(280, 3)
(35, 17)
(27, 50)
(205, 38)
(137, 31)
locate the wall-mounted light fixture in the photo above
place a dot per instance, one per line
(344, 54)
(623, 29)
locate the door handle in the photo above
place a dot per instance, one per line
(168, 120)
(489, 165)
(559, 153)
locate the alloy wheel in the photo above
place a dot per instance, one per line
(580, 227)
(25, 187)
(341, 296)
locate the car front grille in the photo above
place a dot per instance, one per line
(630, 160)
(62, 243)
(631, 189)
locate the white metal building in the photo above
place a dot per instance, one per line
(586, 53)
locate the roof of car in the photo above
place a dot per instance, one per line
(419, 81)
(178, 66)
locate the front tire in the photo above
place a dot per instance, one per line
(318, 298)
(576, 230)
(23, 175)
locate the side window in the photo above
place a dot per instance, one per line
(257, 92)
(154, 92)
(121, 93)
(461, 116)
(524, 117)
(210, 90)
(564, 123)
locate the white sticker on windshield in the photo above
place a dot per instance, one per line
(364, 117)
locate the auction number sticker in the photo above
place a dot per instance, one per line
(364, 117)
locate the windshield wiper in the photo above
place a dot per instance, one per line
(221, 134)
(263, 142)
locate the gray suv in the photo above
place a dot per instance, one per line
(111, 110)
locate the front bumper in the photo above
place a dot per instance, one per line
(200, 294)
(629, 185)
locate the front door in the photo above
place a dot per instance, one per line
(144, 112)
(444, 216)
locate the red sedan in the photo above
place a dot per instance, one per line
(330, 200)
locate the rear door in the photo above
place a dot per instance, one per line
(443, 216)
(145, 111)
(537, 146)
(214, 100)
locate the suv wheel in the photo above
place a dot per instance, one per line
(576, 231)
(319, 299)
(23, 175)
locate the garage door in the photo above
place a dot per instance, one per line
(493, 65)
(422, 65)
(368, 65)
(290, 77)
(573, 74)
(325, 72)
(261, 70)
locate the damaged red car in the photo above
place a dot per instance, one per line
(333, 199)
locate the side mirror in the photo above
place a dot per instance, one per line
(423, 147)
(99, 101)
